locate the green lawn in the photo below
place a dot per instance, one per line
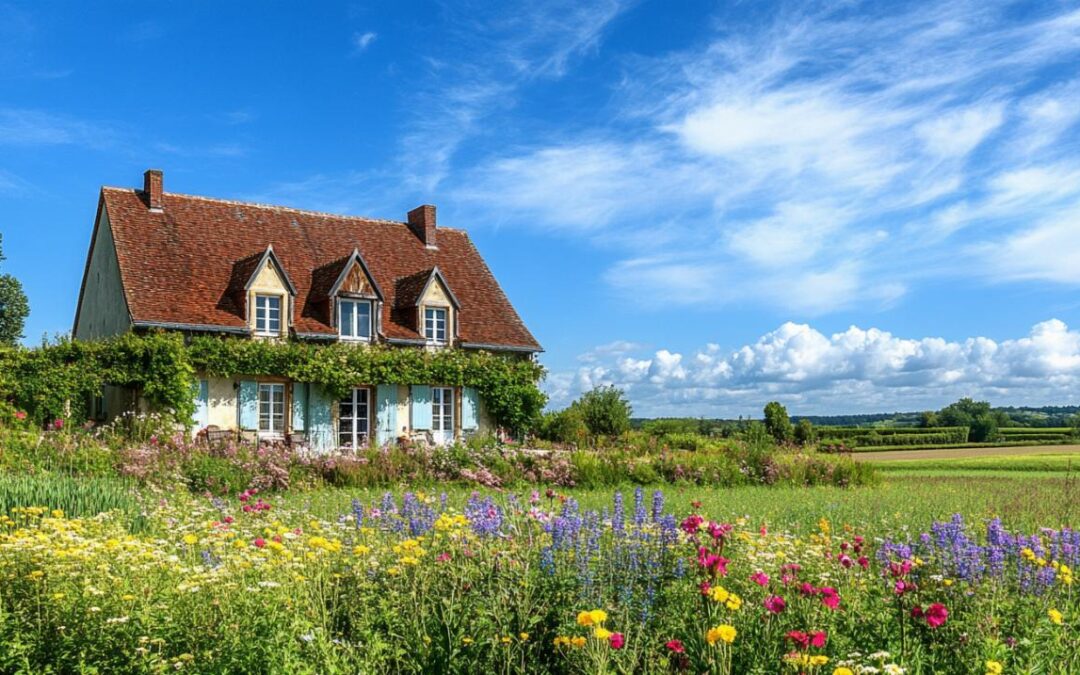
(1020, 500)
(1063, 463)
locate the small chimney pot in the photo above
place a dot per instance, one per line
(422, 223)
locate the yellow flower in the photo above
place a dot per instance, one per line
(734, 602)
(506, 639)
(994, 668)
(191, 539)
(524, 636)
(469, 641)
(361, 549)
(1056, 616)
(819, 660)
(719, 594)
(578, 641)
(725, 633)
(601, 633)
(561, 640)
(842, 671)
(593, 618)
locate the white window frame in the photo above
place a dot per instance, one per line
(358, 397)
(355, 324)
(272, 430)
(442, 415)
(432, 324)
(262, 327)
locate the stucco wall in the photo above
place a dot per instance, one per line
(103, 312)
(269, 282)
(222, 408)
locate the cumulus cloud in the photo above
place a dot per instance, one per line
(857, 370)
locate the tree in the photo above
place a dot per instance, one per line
(928, 419)
(962, 413)
(984, 428)
(14, 307)
(804, 432)
(777, 422)
(605, 411)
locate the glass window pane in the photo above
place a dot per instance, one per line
(274, 302)
(347, 318)
(363, 319)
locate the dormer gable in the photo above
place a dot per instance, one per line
(356, 280)
(436, 290)
(267, 295)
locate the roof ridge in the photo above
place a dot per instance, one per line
(272, 207)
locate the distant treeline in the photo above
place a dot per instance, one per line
(1045, 416)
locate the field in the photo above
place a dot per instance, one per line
(690, 579)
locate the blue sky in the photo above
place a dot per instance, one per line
(846, 206)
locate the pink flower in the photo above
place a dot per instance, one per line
(845, 561)
(775, 604)
(864, 562)
(760, 578)
(807, 589)
(675, 646)
(936, 615)
(798, 637)
(916, 612)
(617, 640)
(58, 424)
(829, 597)
(818, 639)
(259, 543)
(443, 557)
(20, 415)
(228, 520)
(691, 524)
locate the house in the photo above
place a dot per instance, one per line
(160, 260)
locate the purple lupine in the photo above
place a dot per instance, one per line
(639, 507)
(657, 505)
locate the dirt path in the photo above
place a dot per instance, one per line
(964, 453)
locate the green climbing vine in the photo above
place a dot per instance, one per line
(58, 380)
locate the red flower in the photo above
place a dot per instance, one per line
(259, 543)
(775, 604)
(864, 562)
(818, 639)
(58, 424)
(916, 612)
(691, 524)
(20, 415)
(676, 646)
(617, 640)
(800, 638)
(936, 615)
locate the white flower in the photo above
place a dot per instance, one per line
(893, 669)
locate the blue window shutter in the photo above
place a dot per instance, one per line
(202, 405)
(299, 406)
(320, 419)
(421, 407)
(248, 404)
(386, 422)
(470, 408)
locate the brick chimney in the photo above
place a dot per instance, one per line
(153, 181)
(422, 222)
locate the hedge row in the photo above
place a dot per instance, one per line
(903, 436)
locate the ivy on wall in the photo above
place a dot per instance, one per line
(59, 379)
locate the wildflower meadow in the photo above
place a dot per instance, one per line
(534, 581)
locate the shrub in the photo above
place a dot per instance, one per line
(564, 426)
(605, 411)
(777, 422)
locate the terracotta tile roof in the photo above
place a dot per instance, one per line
(182, 265)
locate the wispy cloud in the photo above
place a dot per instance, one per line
(361, 41)
(857, 370)
(800, 162)
(34, 127)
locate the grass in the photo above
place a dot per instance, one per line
(76, 497)
(899, 501)
(947, 446)
(1050, 462)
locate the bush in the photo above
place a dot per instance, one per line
(564, 426)
(605, 411)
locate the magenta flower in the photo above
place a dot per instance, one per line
(936, 615)
(617, 640)
(829, 597)
(58, 424)
(675, 646)
(818, 639)
(760, 578)
(259, 542)
(775, 604)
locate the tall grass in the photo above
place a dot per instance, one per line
(76, 497)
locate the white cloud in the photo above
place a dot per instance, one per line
(361, 41)
(857, 370)
(802, 161)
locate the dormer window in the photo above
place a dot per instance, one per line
(435, 324)
(354, 319)
(268, 315)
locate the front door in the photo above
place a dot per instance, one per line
(442, 414)
(353, 419)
